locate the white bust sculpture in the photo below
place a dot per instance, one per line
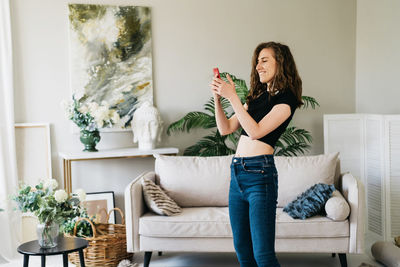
(146, 126)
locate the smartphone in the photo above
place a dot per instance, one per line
(216, 72)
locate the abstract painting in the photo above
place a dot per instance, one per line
(111, 56)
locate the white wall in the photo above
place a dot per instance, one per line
(189, 39)
(378, 57)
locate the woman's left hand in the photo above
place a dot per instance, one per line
(224, 89)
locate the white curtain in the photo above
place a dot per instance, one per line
(10, 220)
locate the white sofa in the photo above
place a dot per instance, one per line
(200, 186)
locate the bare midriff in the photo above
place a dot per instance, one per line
(248, 147)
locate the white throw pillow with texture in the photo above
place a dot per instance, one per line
(195, 181)
(157, 200)
(297, 174)
(337, 207)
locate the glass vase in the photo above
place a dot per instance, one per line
(90, 140)
(47, 234)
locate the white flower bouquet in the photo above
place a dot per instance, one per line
(48, 204)
(52, 208)
(91, 116)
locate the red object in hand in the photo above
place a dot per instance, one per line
(216, 72)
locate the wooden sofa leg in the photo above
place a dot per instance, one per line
(147, 257)
(343, 260)
(160, 253)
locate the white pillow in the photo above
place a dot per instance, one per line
(337, 207)
(297, 174)
(195, 181)
(157, 200)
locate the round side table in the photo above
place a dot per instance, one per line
(65, 246)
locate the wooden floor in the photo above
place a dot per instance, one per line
(220, 260)
(224, 260)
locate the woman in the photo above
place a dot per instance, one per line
(275, 93)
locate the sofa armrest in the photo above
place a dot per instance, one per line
(353, 191)
(134, 208)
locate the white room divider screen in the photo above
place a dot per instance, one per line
(369, 147)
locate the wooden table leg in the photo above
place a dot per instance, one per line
(26, 260)
(67, 175)
(43, 261)
(81, 258)
(65, 259)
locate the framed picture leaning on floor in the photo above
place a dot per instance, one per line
(96, 201)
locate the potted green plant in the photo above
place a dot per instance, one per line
(294, 141)
(90, 117)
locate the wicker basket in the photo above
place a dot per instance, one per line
(107, 247)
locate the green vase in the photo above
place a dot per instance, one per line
(90, 140)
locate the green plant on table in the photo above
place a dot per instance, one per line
(294, 141)
(48, 204)
(90, 117)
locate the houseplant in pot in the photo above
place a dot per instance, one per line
(90, 117)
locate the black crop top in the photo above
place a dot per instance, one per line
(261, 106)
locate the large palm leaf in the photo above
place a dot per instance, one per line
(210, 107)
(191, 120)
(309, 101)
(198, 119)
(293, 141)
(210, 145)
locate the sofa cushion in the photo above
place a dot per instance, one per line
(195, 181)
(214, 222)
(316, 226)
(336, 207)
(296, 174)
(311, 202)
(157, 200)
(192, 222)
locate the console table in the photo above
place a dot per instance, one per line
(68, 157)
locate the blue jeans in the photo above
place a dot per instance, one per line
(252, 210)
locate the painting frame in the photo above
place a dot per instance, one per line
(33, 155)
(103, 199)
(27, 131)
(108, 62)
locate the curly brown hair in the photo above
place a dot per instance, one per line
(286, 76)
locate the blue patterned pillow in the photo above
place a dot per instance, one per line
(311, 202)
